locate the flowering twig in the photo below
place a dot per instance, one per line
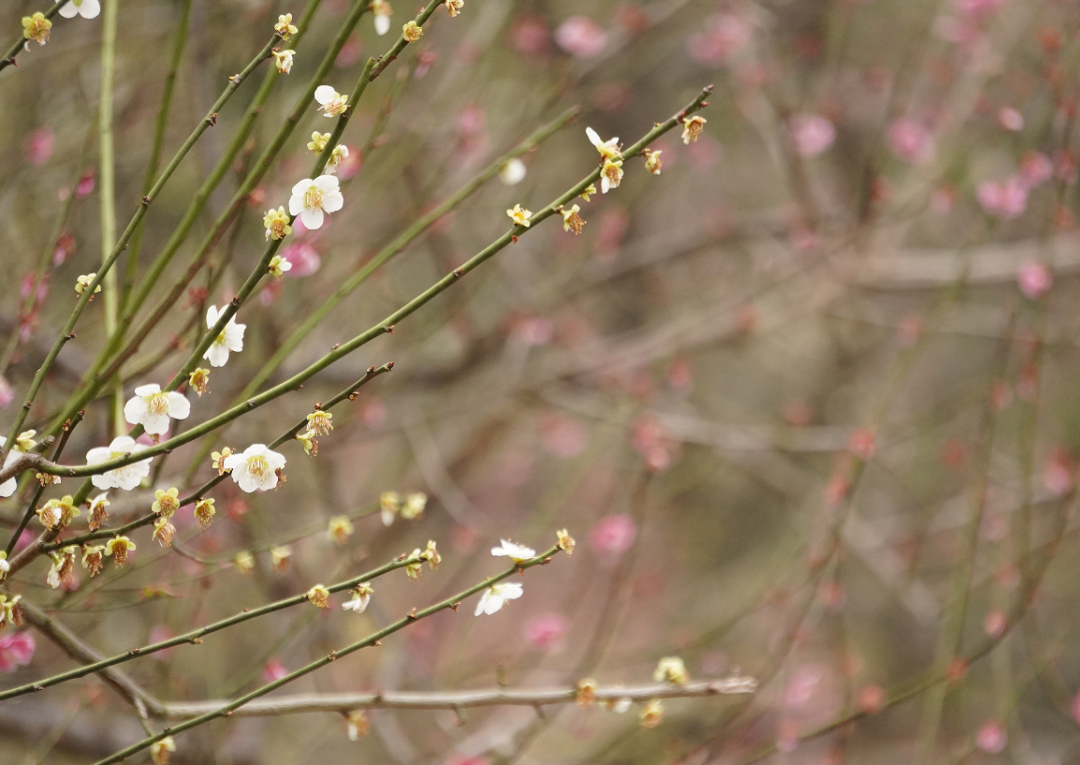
(13, 51)
(195, 636)
(374, 639)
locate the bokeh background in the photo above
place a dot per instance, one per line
(806, 399)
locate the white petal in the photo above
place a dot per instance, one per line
(594, 139)
(147, 390)
(134, 409)
(155, 424)
(234, 461)
(326, 183)
(97, 455)
(382, 24)
(387, 517)
(312, 218)
(102, 481)
(234, 336)
(269, 481)
(217, 354)
(211, 316)
(7, 488)
(90, 9)
(323, 93)
(333, 201)
(69, 11)
(125, 444)
(301, 188)
(513, 172)
(179, 407)
(605, 184)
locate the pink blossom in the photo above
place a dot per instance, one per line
(581, 36)
(991, 737)
(724, 36)
(530, 36)
(546, 630)
(562, 436)
(39, 145)
(1034, 279)
(274, 670)
(85, 185)
(812, 134)
(1036, 168)
(1005, 199)
(7, 395)
(911, 142)
(16, 650)
(613, 534)
(304, 258)
(1010, 119)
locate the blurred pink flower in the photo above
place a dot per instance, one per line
(1065, 165)
(85, 185)
(16, 650)
(530, 35)
(991, 737)
(613, 534)
(871, 699)
(995, 622)
(562, 436)
(1036, 168)
(39, 145)
(863, 443)
(1034, 280)
(535, 330)
(1011, 119)
(911, 142)
(812, 134)
(273, 670)
(350, 166)
(1005, 199)
(800, 688)
(7, 395)
(546, 630)
(724, 36)
(304, 258)
(581, 36)
(979, 7)
(350, 52)
(1058, 472)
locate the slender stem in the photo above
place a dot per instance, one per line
(159, 138)
(107, 188)
(385, 326)
(371, 640)
(13, 51)
(194, 637)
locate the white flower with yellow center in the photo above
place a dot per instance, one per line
(256, 468)
(88, 9)
(496, 595)
(152, 407)
(361, 596)
(126, 477)
(331, 102)
(382, 12)
(231, 338)
(515, 552)
(608, 149)
(7, 488)
(283, 60)
(611, 175)
(312, 198)
(520, 216)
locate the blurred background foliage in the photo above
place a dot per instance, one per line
(806, 399)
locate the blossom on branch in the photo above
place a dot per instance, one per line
(311, 199)
(231, 338)
(283, 60)
(608, 149)
(88, 9)
(36, 28)
(151, 407)
(412, 32)
(126, 477)
(520, 216)
(515, 552)
(331, 102)
(496, 595)
(360, 598)
(382, 11)
(7, 488)
(284, 27)
(256, 469)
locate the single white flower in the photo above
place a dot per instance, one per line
(382, 12)
(152, 408)
(515, 552)
(230, 339)
(311, 198)
(337, 156)
(330, 101)
(7, 488)
(497, 594)
(256, 468)
(283, 60)
(126, 477)
(361, 596)
(88, 9)
(513, 172)
(608, 149)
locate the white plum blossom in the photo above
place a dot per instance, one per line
(513, 172)
(496, 595)
(382, 11)
(256, 468)
(151, 407)
(515, 552)
(7, 488)
(608, 149)
(331, 103)
(360, 598)
(311, 198)
(88, 9)
(126, 477)
(230, 339)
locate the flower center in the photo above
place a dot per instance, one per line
(313, 198)
(158, 403)
(257, 466)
